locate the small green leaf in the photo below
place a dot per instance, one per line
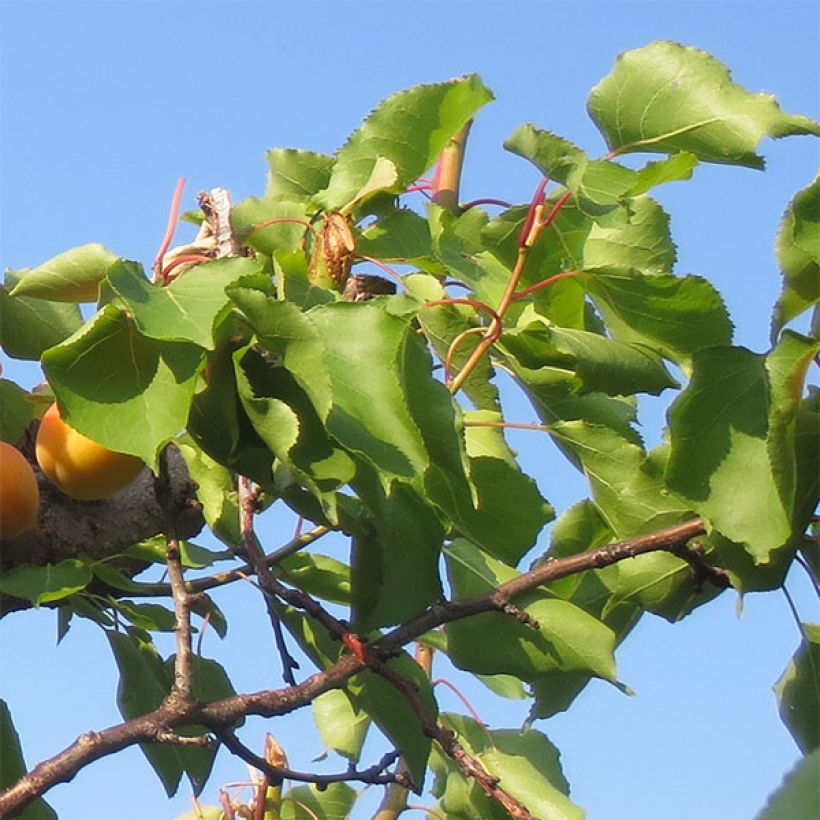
(798, 253)
(798, 798)
(333, 802)
(248, 215)
(566, 637)
(398, 236)
(297, 175)
(108, 364)
(393, 714)
(673, 315)
(798, 692)
(594, 183)
(342, 726)
(17, 413)
(144, 683)
(28, 326)
(666, 98)
(44, 584)
(718, 428)
(672, 169)
(404, 541)
(318, 575)
(216, 490)
(525, 762)
(600, 364)
(13, 767)
(401, 139)
(72, 276)
(636, 237)
(150, 617)
(186, 309)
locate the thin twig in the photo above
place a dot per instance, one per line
(256, 558)
(222, 714)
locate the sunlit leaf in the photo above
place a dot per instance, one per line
(666, 98)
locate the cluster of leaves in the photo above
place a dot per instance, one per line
(256, 366)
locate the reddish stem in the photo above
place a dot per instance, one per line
(555, 210)
(486, 201)
(475, 716)
(385, 267)
(546, 283)
(513, 425)
(182, 260)
(535, 202)
(294, 219)
(463, 301)
(171, 228)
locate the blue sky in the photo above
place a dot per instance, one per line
(105, 105)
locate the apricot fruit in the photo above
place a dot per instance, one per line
(19, 493)
(80, 467)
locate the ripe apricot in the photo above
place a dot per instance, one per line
(19, 493)
(79, 466)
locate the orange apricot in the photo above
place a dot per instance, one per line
(19, 493)
(79, 466)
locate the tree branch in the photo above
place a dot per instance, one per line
(220, 715)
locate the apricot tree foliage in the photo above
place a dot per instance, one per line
(265, 364)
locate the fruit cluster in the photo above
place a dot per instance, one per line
(78, 466)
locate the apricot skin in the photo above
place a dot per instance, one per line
(78, 466)
(19, 493)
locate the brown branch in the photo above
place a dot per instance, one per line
(222, 714)
(374, 775)
(183, 663)
(448, 171)
(100, 529)
(256, 557)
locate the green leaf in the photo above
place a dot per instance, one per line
(318, 575)
(718, 429)
(13, 767)
(295, 174)
(666, 98)
(401, 139)
(403, 541)
(342, 726)
(442, 324)
(636, 237)
(675, 316)
(560, 247)
(799, 796)
(109, 364)
(675, 168)
(566, 638)
(216, 490)
(150, 617)
(220, 426)
(72, 276)
(600, 364)
(400, 235)
(17, 413)
(594, 183)
(526, 764)
(287, 422)
(393, 714)
(28, 326)
(210, 683)
(144, 683)
(51, 582)
(793, 427)
(333, 802)
(798, 253)
(280, 236)
(798, 692)
(186, 309)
